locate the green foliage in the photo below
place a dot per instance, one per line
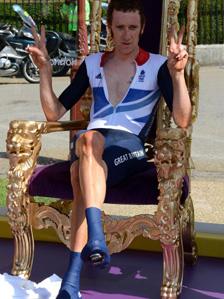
(3, 193)
(210, 20)
(207, 22)
(183, 13)
(220, 21)
(48, 14)
(210, 17)
(104, 10)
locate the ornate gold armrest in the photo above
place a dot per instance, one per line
(23, 146)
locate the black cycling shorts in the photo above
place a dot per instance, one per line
(124, 154)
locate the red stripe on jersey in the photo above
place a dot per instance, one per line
(140, 59)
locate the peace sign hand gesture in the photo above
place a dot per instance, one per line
(177, 55)
(38, 51)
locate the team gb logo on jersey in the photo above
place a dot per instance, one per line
(141, 77)
(99, 76)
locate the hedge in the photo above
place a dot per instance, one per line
(210, 17)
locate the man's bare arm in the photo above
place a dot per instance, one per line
(52, 108)
(177, 60)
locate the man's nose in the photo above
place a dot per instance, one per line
(127, 34)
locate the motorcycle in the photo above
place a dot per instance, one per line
(60, 47)
(61, 50)
(12, 54)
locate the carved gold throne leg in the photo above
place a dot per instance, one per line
(172, 245)
(173, 265)
(189, 241)
(171, 166)
(23, 242)
(23, 146)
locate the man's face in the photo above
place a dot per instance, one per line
(126, 29)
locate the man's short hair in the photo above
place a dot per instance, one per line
(125, 6)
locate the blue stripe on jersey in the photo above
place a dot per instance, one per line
(141, 104)
(100, 100)
(136, 94)
(142, 119)
(104, 113)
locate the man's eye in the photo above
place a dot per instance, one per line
(133, 27)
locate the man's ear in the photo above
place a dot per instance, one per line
(142, 30)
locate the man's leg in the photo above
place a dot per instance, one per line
(71, 280)
(89, 149)
(92, 168)
(78, 219)
(92, 178)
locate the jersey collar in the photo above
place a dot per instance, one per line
(140, 59)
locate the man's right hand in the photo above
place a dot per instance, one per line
(39, 51)
(52, 108)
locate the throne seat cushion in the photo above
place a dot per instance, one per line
(54, 181)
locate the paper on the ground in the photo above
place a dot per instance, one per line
(14, 287)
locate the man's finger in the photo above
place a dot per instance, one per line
(35, 36)
(34, 50)
(181, 35)
(183, 53)
(172, 35)
(42, 36)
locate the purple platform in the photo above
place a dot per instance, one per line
(132, 274)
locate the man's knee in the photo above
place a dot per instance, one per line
(90, 143)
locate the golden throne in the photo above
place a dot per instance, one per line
(172, 223)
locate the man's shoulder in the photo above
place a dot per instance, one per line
(93, 62)
(156, 61)
(158, 58)
(94, 58)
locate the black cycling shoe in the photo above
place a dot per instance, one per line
(63, 294)
(96, 252)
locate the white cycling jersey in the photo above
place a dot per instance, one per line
(136, 109)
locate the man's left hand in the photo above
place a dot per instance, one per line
(177, 55)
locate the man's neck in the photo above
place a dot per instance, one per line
(120, 57)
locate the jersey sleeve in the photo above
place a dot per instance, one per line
(76, 89)
(165, 84)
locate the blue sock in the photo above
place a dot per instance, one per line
(71, 281)
(96, 250)
(95, 229)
